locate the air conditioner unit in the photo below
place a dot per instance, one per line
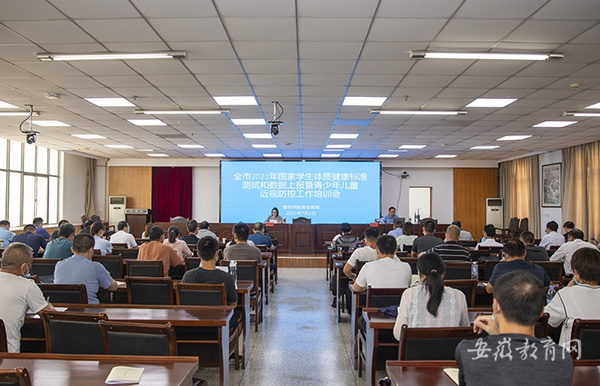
(494, 212)
(116, 209)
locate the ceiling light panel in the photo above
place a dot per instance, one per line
(364, 101)
(4, 105)
(119, 146)
(483, 55)
(412, 146)
(214, 155)
(345, 146)
(236, 101)
(555, 124)
(514, 137)
(264, 146)
(110, 102)
(445, 156)
(157, 155)
(88, 136)
(491, 102)
(48, 57)
(387, 156)
(248, 122)
(343, 136)
(484, 147)
(191, 146)
(330, 155)
(594, 106)
(147, 122)
(50, 123)
(257, 135)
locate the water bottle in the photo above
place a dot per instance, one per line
(475, 271)
(233, 271)
(550, 294)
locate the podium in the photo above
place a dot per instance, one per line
(137, 219)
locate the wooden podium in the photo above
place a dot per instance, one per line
(137, 219)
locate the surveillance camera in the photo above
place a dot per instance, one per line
(405, 174)
(31, 138)
(274, 129)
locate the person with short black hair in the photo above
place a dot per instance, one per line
(464, 235)
(80, 269)
(104, 246)
(204, 230)
(568, 226)
(241, 250)
(86, 228)
(565, 252)
(39, 228)
(580, 299)
(122, 236)
(408, 237)
(396, 229)
(533, 252)
(514, 260)
(430, 303)
(55, 234)
(511, 350)
(489, 234)
(450, 249)
(30, 237)
(551, 237)
(6, 236)
(258, 236)
(60, 248)
(156, 250)
(180, 247)
(345, 237)
(427, 241)
(389, 217)
(366, 253)
(145, 233)
(191, 238)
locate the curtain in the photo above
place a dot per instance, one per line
(519, 185)
(171, 193)
(90, 178)
(581, 187)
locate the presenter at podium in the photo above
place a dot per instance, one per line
(275, 218)
(389, 217)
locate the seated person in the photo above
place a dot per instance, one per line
(366, 253)
(430, 303)
(397, 229)
(54, 234)
(60, 248)
(100, 243)
(6, 236)
(408, 237)
(80, 269)
(180, 247)
(86, 227)
(427, 241)
(552, 237)
(464, 235)
(489, 232)
(568, 226)
(344, 238)
(192, 236)
(156, 250)
(511, 354)
(582, 296)
(19, 295)
(39, 228)
(275, 218)
(514, 260)
(207, 273)
(241, 250)
(146, 230)
(29, 237)
(533, 252)
(389, 217)
(450, 249)
(204, 230)
(122, 236)
(566, 250)
(258, 236)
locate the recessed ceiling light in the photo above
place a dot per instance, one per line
(330, 155)
(484, 147)
(119, 146)
(17, 114)
(110, 102)
(418, 112)
(50, 123)
(513, 137)
(214, 155)
(338, 146)
(412, 146)
(88, 136)
(574, 114)
(248, 122)
(181, 112)
(332, 149)
(236, 100)
(147, 122)
(387, 156)
(594, 106)
(491, 102)
(157, 155)
(483, 55)
(343, 136)
(257, 135)
(193, 146)
(445, 156)
(272, 155)
(48, 57)
(555, 124)
(264, 146)
(145, 150)
(4, 105)
(364, 101)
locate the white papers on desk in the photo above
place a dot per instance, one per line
(452, 372)
(120, 375)
(223, 268)
(120, 283)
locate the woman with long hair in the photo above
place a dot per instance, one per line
(429, 303)
(179, 246)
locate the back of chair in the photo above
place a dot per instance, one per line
(191, 263)
(456, 270)
(541, 326)
(248, 270)
(432, 343)
(359, 265)
(124, 338)
(301, 220)
(3, 339)
(73, 332)
(465, 286)
(585, 339)
(200, 294)
(43, 267)
(149, 290)
(488, 268)
(147, 268)
(554, 269)
(112, 263)
(126, 252)
(524, 225)
(65, 293)
(383, 297)
(412, 261)
(15, 377)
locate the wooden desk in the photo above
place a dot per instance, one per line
(243, 291)
(84, 370)
(359, 299)
(266, 272)
(211, 349)
(431, 373)
(339, 266)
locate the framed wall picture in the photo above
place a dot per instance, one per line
(551, 185)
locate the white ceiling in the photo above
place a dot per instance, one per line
(308, 55)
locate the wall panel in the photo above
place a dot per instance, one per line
(133, 182)
(471, 187)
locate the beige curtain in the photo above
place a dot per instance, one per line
(519, 185)
(90, 178)
(581, 187)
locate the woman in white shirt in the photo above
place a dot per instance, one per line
(179, 246)
(407, 237)
(429, 303)
(581, 298)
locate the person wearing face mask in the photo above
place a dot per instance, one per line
(122, 236)
(19, 295)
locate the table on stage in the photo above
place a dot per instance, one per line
(84, 370)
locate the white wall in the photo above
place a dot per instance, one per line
(73, 188)
(206, 194)
(547, 214)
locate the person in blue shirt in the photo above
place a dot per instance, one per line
(389, 217)
(31, 238)
(259, 237)
(6, 236)
(39, 228)
(101, 244)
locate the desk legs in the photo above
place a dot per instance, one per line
(224, 357)
(370, 356)
(337, 297)
(246, 332)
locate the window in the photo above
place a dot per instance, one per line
(31, 176)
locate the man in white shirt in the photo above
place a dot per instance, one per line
(122, 236)
(19, 294)
(489, 231)
(366, 253)
(552, 237)
(565, 251)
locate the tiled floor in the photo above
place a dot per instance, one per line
(300, 342)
